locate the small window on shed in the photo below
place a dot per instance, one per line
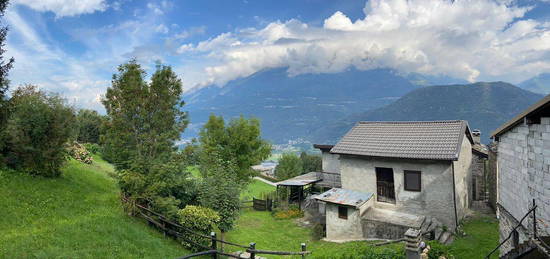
(412, 181)
(343, 212)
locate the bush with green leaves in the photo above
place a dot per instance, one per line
(38, 127)
(164, 181)
(239, 141)
(88, 126)
(311, 163)
(290, 165)
(438, 249)
(93, 148)
(220, 191)
(200, 220)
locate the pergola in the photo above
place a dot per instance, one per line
(322, 179)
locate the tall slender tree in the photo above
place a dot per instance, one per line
(5, 66)
(143, 119)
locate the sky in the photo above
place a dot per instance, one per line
(73, 47)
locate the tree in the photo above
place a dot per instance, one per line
(143, 119)
(289, 166)
(239, 141)
(5, 66)
(37, 130)
(220, 192)
(89, 124)
(311, 163)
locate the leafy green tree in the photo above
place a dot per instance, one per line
(37, 130)
(220, 191)
(290, 165)
(311, 163)
(89, 125)
(143, 119)
(239, 141)
(5, 66)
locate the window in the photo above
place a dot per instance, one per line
(412, 181)
(343, 212)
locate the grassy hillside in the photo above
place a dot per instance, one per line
(75, 216)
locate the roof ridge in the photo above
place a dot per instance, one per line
(409, 122)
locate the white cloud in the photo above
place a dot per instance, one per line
(468, 39)
(162, 29)
(65, 7)
(81, 79)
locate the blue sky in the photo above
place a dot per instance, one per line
(73, 47)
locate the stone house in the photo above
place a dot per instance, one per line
(400, 175)
(522, 167)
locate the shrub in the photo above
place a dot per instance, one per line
(437, 250)
(199, 220)
(288, 214)
(88, 126)
(167, 206)
(93, 148)
(38, 127)
(80, 153)
(290, 165)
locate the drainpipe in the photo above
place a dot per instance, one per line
(454, 195)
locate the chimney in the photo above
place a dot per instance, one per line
(476, 134)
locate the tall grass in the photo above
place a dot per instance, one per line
(75, 216)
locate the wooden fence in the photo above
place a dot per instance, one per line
(181, 233)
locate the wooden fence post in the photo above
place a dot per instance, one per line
(214, 246)
(252, 248)
(303, 250)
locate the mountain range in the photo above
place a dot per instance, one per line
(322, 107)
(538, 84)
(485, 105)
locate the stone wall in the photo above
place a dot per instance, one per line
(478, 178)
(524, 173)
(506, 223)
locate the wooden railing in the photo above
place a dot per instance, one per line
(385, 191)
(179, 232)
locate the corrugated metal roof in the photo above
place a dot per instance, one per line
(301, 180)
(434, 140)
(344, 197)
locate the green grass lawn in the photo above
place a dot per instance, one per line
(285, 235)
(77, 215)
(255, 189)
(481, 237)
(273, 234)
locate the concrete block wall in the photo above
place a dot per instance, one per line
(524, 173)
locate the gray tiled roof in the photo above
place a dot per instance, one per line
(434, 140)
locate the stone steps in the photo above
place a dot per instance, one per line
(432, 225)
